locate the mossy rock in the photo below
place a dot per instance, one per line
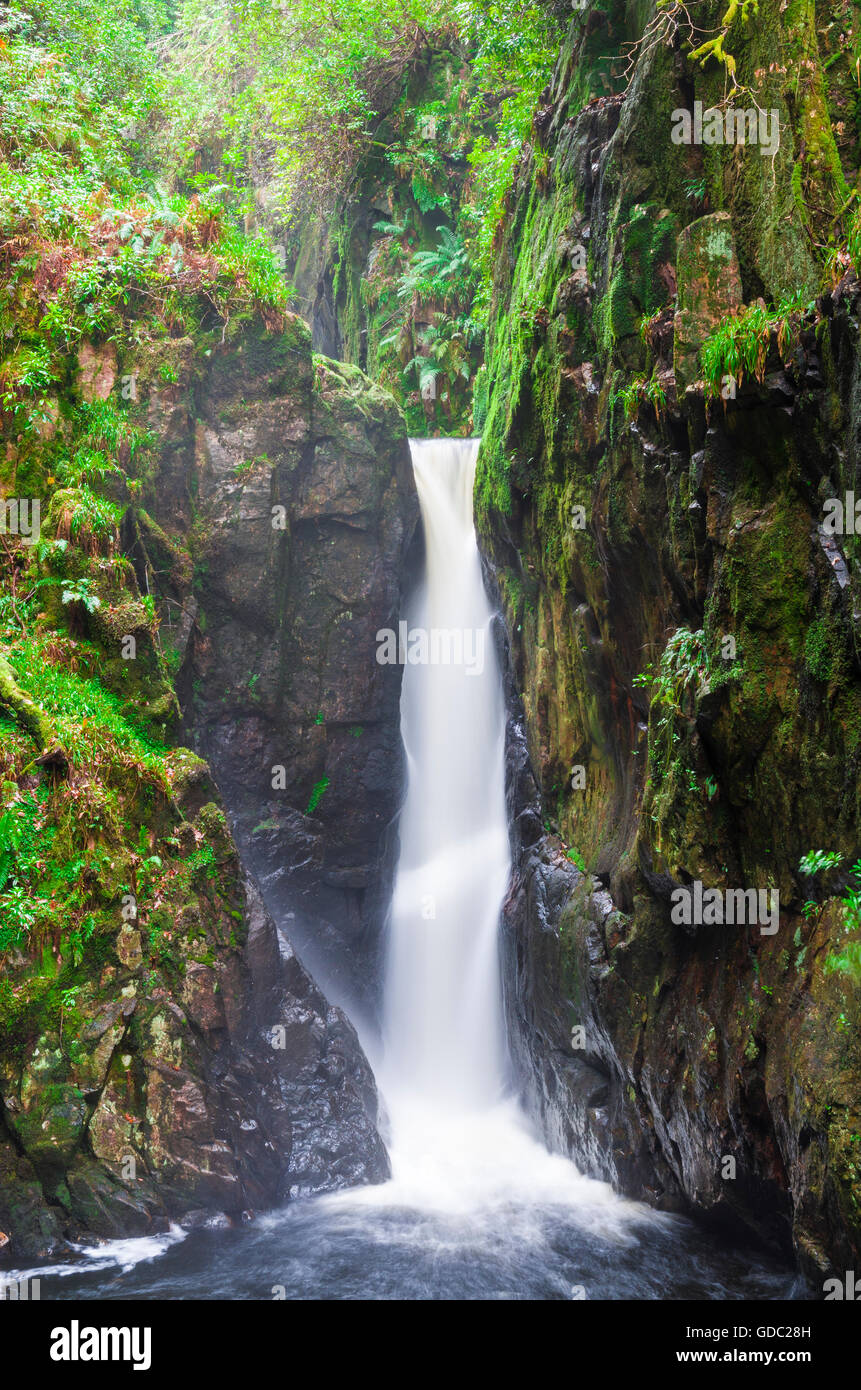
(709, 288)
(28, 714)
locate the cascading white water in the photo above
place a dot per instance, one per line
(458, 1143)
(443, 1033)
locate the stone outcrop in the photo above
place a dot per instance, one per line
(288, 701)
(235, 1088)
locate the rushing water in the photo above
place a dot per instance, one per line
(476, 1207)
(443, 1051)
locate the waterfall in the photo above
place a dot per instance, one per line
(462, 1150)
(443, 1029)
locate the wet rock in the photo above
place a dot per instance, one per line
(286, 675)
(32, 1229)
(709, 284)
(97, 368)
(129, 948)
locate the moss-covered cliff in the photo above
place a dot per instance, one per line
(673, 381)
(178, 477)
(163, 1052)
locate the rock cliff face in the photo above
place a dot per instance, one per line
(288, 702)
(190, 1066)
(684, 636)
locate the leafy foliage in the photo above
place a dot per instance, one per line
(317, 795)
(316, 83)
(818, 860)
(846, 959)
(739, 346)
(684, 662)
(313, 79)
(515, 46)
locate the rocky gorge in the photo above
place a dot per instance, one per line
(199, 840)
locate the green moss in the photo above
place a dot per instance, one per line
(23, 707)
(644, 244)
(816, 651)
